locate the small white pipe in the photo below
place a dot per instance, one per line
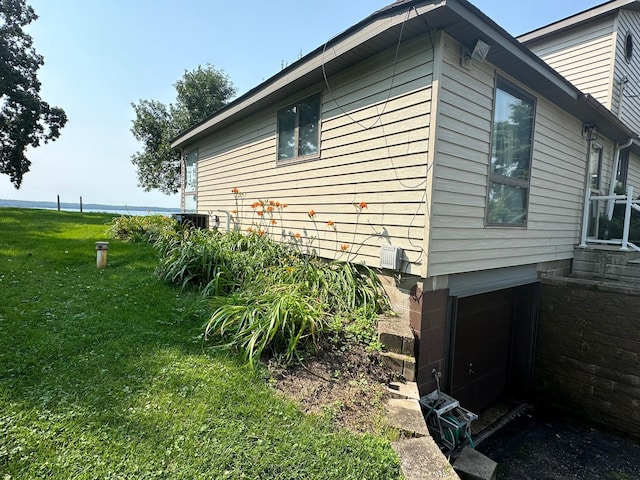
(585, 218)
(627, 219)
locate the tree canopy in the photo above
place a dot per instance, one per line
(25, 119)
(199, 93)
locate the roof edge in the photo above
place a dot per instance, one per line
(324, 51)
(597, 12)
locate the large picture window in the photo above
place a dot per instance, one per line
(299, 129)
(511, 149)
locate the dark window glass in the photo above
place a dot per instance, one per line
(511, 150)
(299, 129)
(623, 170)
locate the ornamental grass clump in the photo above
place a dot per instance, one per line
(285, 308)
(216, 263)
(267, 297)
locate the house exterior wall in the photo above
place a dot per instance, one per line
(629, 110)
(633, 176)
(373, 149)
(584, 56)
(460, 241)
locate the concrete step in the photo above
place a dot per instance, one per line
(396, 336)
(421, 459)
(404, 390)
(404, 365)
(608, 263)
(405, 414)
(472, 465)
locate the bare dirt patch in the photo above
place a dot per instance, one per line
(346, 383)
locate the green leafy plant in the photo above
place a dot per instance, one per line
(276, 319)
(147, 228)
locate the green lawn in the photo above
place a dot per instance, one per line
(103, 374)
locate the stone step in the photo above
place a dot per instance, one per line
(421, 459)
(405, 414)
(407, 390)
(396, 336)
(472, 465)
(608, 263)
(404, 365)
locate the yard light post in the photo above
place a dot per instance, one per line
(101, 258)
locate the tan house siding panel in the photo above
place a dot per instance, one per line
(628, 22)
(373, 144)
(633, 175)
(460, 241)
(584, 56)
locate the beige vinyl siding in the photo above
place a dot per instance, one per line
(633, 175)
(584, 56)
(459, 241)
(628, 22)
(373, 149)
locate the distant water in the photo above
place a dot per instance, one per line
(89, 207)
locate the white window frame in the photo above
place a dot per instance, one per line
(296, 130)
(190, 181)
(510, 88)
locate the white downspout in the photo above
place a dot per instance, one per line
(612, 182)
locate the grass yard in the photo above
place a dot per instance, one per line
(104, 374)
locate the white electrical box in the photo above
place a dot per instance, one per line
(391, 257)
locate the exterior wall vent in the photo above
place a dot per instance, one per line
(390, 257)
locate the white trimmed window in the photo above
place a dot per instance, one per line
(190, 180)
(511, 150)
(299, 129)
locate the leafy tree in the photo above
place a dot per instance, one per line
(200, 93)
(25, 120)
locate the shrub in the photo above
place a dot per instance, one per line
(148, 228)
(214, 262)
(285, 307)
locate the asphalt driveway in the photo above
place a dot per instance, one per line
(544, 445)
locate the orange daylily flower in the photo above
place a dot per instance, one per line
(269, 208)
(344, 247)
(235, 191)
(283, 205)
(273, 222)
(255, 204)
(312, 213)
(234, 211)
(277, 204)
(261, 203)
(261, 232)
(249, 229)
(362, 204)
(260, 212)
(272, 203)
(331, 223)
(297, 236)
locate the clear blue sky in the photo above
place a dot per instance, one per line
(100, 56)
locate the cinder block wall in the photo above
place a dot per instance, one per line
(588, 351)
